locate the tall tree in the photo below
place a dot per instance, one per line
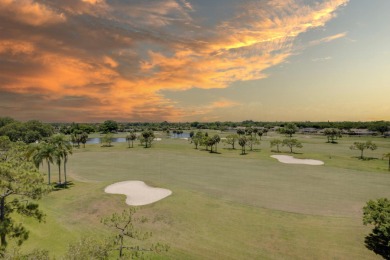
(332, 134)
(44, 151)
(84, 138)
(289, 129)
(242, 142)
(197, 139)
(58, 160)
(277, 143)
(232, 139)
(63, 149)
(34, 155)
(240, 132)
(206, 141)
(377, 213)
(252, 140)
(130, 139)
(210, 143)
(147, 137)
(109, 126)
(260, 133)
(21, 184)
(291, 143)
(216, 140)
(363, 146)
(107, 139)
(249, 131)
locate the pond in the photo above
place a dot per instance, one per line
(97, 140)
(183, 135)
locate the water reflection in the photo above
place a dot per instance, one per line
(183, 135)
(97, 140)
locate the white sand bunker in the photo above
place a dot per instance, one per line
(157, 139)
(292, 160)
(137, 192)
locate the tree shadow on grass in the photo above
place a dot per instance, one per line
(369, 158)
(378, 243)
(365, 158)
(62, 186)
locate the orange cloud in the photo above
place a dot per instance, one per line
(16, 47)
(223, 104)
(111, 60)
(93, 1)
(30, 12)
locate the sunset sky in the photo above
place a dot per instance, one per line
(195, 60)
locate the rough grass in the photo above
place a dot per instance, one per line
(225, 206)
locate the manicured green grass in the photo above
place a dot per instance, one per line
(225, 206)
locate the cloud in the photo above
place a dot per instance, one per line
(208, 111)
(93, 2)
(322, 59)
(113, 59)
(30, 12)
(328, 39)
(16, 47)
(223, 104)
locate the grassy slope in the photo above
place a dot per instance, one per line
(225, 205)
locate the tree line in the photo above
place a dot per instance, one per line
(35, 130)
(28, 132)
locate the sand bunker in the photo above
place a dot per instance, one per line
(292, 160)
(137, 192)
(157, 139)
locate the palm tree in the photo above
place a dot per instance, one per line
(387, 155)
(63, 149)
(45, 152)
(84, 138)
(130, 138)
(58, 157)
(65, 162)
(33, 154)
(242, 142)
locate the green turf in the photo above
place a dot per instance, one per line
(225, 206)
